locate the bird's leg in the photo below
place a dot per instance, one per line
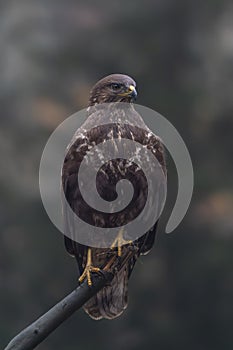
(88, 269)
(119, 242)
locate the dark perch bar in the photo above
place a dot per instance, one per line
(36, 332)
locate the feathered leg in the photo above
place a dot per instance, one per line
(119, 242)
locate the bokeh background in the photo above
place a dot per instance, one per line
(180, 52)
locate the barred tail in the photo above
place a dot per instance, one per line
(112, 300)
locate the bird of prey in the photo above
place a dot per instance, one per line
(121, 256)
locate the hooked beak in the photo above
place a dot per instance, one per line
(132, 92)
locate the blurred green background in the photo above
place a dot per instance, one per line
(181, 55)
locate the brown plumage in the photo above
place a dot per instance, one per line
(112, 299)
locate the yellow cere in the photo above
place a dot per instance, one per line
(131, 87)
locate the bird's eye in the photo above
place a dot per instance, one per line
(115, 86)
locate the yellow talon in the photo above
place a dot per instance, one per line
(88, 269)
(119, 242)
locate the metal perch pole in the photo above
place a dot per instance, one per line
(36, 332)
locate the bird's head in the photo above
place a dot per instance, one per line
(113, 88)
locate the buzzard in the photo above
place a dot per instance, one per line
(121, 256)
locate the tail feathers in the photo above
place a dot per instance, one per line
(111, 301)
